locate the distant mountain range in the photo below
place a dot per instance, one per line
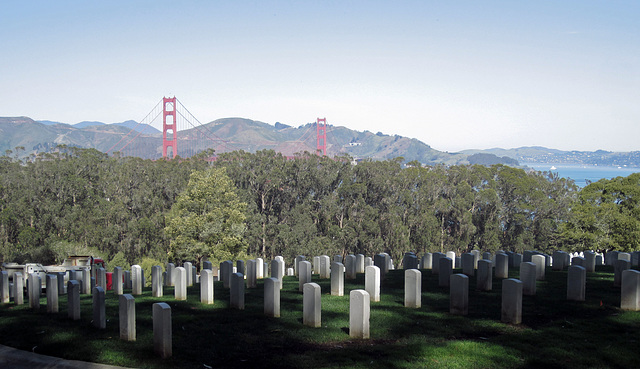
(131, 124)
(229, 134)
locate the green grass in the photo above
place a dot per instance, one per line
(554, 332)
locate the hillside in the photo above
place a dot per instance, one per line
(228, 134)
(538, 154)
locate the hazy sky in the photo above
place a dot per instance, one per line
(454, 74)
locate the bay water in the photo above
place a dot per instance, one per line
(582, 174)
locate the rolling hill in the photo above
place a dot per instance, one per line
(228, 134)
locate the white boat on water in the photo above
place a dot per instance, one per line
(553, 168)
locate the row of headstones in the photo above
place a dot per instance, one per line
(161, 311)
(359, 305)
(530, 271)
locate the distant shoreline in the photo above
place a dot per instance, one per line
(583, 173)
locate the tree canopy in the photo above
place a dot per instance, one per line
(264, 204)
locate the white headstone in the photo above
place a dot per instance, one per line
(260, 269)
(350, 267)
(4, 287)
(236, 291)
(180, 291)
(540, 262)
(372, 282)
(511, 301)
(359, 313)
(425, 262)
(484, 282)
(162, 335)
(127, 317)
(272, 297)
(99, 308)
(619, 266)
(206, 286)
(576, 282)
(630, 290)
(136, 280)
(312, 306)
(170, 280)
(360, 263)
(252, 280)
(304, 274)
(277, 270)
(187, 266)
(435, 262)
(337, 279)
(35, 289)
(73, 299)
(116, 281)
(459, 294)
(85, 282)
(445, 269)
(590, 261)
(528, 278)
(52, 293)
(18, 288)
(157, 289)
(468, 263)
(412, 288)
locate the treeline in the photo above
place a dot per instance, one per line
(80, 200)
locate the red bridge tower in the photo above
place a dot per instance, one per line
(321, 131)
(169, 127)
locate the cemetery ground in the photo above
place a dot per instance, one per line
(554, 332)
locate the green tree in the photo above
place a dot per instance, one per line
(606, 216)
(207, 219)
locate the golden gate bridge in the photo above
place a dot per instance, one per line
(170, 130)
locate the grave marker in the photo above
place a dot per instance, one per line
(127, 317)
(312, 306)
(236, 292)
(528, 278)
(576, 282)
(484, 282)
(459, 294)
(136, 280)
(372, 282)
(34, 288)
(73, 296)
(162, 340)
(52, 293)
(4, 287)
(619, 266)
(502, 266)
(18, 288)
(412, 288)
(445, 269)
(630, 290)
(99, 313)
(337, 279)
(116, 281)
(157, 289)
(304, 274)
(206, 286)
(511, 301)
(272, 297)
(359, 313)
(180, 281)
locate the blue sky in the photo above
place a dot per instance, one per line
(454, 74)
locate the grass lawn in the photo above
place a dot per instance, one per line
(554, 332)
